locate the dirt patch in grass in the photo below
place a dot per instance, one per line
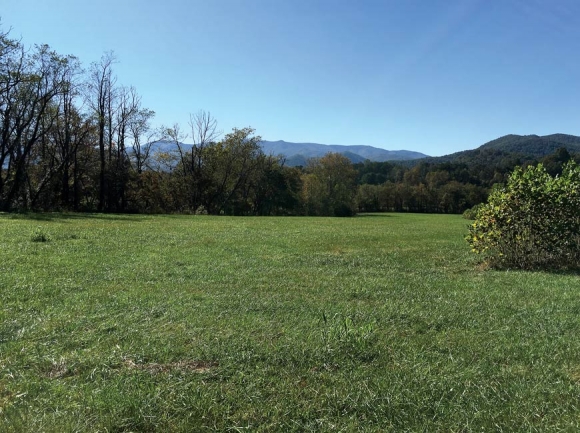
(155, 368)
(573, 373)
(59, 370)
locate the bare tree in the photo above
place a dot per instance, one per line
(101, 93)
(143, 137)
(65, 130)
(203, 132)
(127, 107)
(177, 137)
(29, 86)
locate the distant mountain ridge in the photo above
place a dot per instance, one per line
(299, 153)
(296, 154)
(506, 150)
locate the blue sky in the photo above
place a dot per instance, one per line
(434, 76)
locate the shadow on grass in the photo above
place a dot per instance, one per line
(568, 272)
(58, 216)
(374, 215)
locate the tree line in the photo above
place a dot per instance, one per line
(74, 139)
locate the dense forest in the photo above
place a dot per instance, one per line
(445, 185)
(73, 139)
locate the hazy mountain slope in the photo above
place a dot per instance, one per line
(299, 153)
(169, 146)
(295, 152)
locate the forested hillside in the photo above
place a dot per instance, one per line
(512, 147)
(448, 184)
(534, 144)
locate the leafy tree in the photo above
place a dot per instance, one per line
(275, 188)
(230, 166)
(367, 198)
(532, 222)
(555, 162)
(329, 186)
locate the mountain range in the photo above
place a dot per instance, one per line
(297, 154)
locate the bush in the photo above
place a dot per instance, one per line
(39, 235)
(471, 213)
(533, 222)
(201, 210)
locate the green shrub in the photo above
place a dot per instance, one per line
(201, 210)
(532, 222)
(471, 213)
(39, 235)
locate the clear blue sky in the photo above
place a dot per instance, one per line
(435, 76)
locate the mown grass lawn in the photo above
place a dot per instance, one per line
(193, 323)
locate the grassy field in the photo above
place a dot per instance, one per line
(181, 323)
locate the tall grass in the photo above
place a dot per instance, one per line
(196, 323)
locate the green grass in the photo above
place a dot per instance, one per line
(182, 323)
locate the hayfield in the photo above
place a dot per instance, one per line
(386, 322)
